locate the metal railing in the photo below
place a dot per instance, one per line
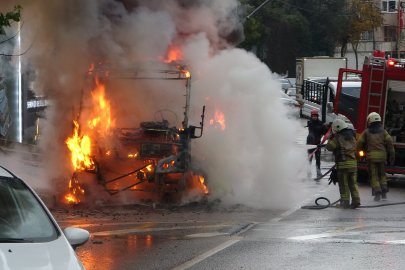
(313, 91)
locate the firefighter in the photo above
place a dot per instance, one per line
(343, 144)
(316, 129)
(376, 141)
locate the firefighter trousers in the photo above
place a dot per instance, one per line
(376, 173)
(348, 185)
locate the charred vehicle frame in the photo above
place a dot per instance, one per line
(164, 151)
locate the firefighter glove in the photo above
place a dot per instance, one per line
(333, 177)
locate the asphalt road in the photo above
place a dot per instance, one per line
(214, 236)
(201, 236)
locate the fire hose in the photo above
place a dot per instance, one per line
(318, 206)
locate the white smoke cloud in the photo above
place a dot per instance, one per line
(254, 156)
(251, 158)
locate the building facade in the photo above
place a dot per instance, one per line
(383, 38)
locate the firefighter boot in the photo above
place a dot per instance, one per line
(344, 204)
(354, 205)
(384, 194)
(377, 196)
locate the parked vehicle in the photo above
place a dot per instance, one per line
(382, 91)
(316, 67)
(285, 84)
(292, 81)
(314, 93)
(291, 92)
(29, 236)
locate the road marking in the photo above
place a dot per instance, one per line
(144, 226)
(213, 251)
(396, 242)
(135, 230)
(331, 233)
(361, 241)
(206, 255)
(202, 235)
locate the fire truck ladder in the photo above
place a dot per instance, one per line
(377, 65)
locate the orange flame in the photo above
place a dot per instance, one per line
(102, 109)
(173, 54)
(76, 191)
(70, 198)
(220, 118)
(203, 186)
(80, 144)
(200, 180)
(80, 147)
(91, 69)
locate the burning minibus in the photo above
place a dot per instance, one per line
(138, 137)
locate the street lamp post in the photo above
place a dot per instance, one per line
(399, 15)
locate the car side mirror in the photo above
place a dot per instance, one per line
(76, 236)
(329, 107)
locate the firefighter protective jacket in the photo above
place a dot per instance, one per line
(343, 145)
(376, 141)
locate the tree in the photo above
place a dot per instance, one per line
(306, 28)
(365, 16)
(9, 17)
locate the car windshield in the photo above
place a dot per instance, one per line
(292, 81)
(22, 217)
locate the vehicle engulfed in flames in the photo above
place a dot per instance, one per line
(151, 157)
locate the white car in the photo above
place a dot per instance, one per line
(30, 238)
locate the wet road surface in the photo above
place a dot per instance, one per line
(201, 236)
(244, 238)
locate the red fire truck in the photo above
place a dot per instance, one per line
(382, 91)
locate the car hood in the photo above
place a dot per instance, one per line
(289, 101)
(56, 254)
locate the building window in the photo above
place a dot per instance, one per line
(390, 33)
(389, 6)
(367, 36)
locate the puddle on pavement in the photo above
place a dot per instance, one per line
(104, 253)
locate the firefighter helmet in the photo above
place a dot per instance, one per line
(314, 112)
(373, 117)
(338, 125)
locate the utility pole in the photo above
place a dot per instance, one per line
(399, 30)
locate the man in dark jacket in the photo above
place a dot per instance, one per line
(316, 129)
